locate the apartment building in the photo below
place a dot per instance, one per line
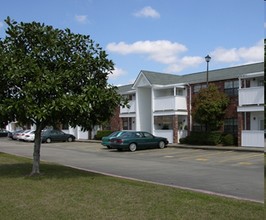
(161, 103)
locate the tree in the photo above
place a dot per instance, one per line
(208, 107)
(50, 75)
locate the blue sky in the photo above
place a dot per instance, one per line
(171, 36)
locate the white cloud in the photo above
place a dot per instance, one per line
(147, 12)
(161, 51)
(183, 63)
(243, 54)
(1, 24)
(117, 73)
(170, 54)
(83, 19)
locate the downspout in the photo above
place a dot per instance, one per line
(189, 108)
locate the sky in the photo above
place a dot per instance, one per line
(168, 36)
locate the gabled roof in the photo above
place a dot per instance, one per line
(125, 89)
(156, 78)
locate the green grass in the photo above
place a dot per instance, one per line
(65, 193)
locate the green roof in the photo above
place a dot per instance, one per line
(157, 78)
(125, 88)
(214, 75)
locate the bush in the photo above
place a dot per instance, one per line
(204, 138)
(228, 140)
(213, 138)
(101, 134)
(183, 140)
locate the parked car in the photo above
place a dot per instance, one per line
(13, 135)
(134, 140)
(29, 136)
(4, 133)
(106, 140)
(20, 135)
(51, 135)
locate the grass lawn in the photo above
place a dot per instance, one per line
(65, 193)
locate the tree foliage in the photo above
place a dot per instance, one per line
(50, 75)
(208, 107)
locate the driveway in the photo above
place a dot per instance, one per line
(232, 174)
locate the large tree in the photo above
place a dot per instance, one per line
(48, 75)
(208, 107)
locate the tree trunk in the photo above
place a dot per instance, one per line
(36, 151)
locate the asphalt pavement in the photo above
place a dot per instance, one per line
(228, 172)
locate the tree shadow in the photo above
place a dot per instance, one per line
(47, 171)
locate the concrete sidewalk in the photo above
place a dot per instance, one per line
(228, 148)
(186, 146)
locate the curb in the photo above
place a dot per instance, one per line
(185, 146)
(222, 148)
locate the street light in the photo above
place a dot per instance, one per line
(207, 59)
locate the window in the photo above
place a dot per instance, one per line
(260, 82)
(231, 88)
(198, 127)
(197, 88)
(163, 122)
(230, 126)
(147, 135)
(180, 92)
(127, 123)
(261, 124)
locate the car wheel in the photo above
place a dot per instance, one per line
(132, 147)
(161, 144)
(48, 140)
(108, 147)
(70, 139)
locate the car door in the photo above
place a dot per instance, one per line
(149, 140)
(59, 135)
(138, 138)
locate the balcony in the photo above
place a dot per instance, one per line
(170, 103)
(251, 96)
(131, 109)
(252, 138)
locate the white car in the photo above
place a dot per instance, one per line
(29, 136)
(20, 136)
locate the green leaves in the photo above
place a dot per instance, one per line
(61, 76)
(208, 107)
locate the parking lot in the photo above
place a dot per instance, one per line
(230, 173)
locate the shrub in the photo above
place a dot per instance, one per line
(204, 138)
(183, 140)
(228, 140)
(102, 133)
(213, 138)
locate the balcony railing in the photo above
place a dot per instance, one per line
(252, 138)
(170, 103)
(131, 109)
(251, 96)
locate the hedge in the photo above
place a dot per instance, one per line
(101, 134)
(202, 138)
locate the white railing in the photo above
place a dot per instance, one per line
(251, 96)
(170, 103)
(165, 133)
(131, 109)
(252, 138)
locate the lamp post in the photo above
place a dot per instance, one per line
(207, 59)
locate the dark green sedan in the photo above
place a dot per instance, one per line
(133, 140)
(106, 140)
(51, 135)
